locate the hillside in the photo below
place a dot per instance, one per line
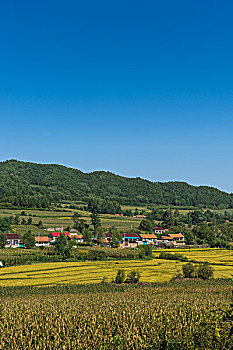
(24, 184)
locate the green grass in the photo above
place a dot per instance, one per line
(53, 219)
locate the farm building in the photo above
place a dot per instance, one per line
(129, 240)
(77, 237)
(159, 230)
(54, 235)
(176, 238)
(13, 240)
(42, 241)
(149, 238)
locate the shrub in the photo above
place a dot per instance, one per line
(120, 277)
(145, 251)
(189, 270)
(169, 256)
(205, 271)
(133, 277)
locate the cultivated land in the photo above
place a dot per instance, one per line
(173, 316)
(57, 218)
(155, 270)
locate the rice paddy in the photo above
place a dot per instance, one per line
(155, 270)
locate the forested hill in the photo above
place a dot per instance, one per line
(24, 184)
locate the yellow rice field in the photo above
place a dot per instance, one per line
(156, 270)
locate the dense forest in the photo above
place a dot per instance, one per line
(29, 185)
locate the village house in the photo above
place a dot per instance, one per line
(129, 240)
(42, 241)
(159, 230)
(55, 235)
(149, 238)
(77, 237)
(176, 238)
(13, 240)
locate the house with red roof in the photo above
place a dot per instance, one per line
(129, 240)
(55, 235)
(13, 240)
(159, 230)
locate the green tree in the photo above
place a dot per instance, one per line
(205, 271)
(100, 234)
(116, 237)
(60, 244)
(168, 218)
(145, 250)
(29, 221)
(146, 225)
(88, 235)
(133, 277)
(28, 239)
(95, 221)
(76, 218)
(3, 240)
(40, 224)
(188, 237)
(5, 224)
(17, 219)
(23, 221)
(189, 270)
(80, 224)
(120, 277)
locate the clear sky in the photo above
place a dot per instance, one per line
(139, 88)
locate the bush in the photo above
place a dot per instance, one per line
(120, 277)
(189, 270)
(133, 277)
(205, 271)
(145, 251)
(176, 256)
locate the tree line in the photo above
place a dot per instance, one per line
(30, 185)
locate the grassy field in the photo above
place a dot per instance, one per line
(173, 316)
(56, 219)
(155, 270)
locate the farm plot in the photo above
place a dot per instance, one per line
(155, 270)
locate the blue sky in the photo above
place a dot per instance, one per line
(140, 88)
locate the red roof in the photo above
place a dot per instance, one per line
(130, 235)
(158, 229)
(57, 234)
(12, 236)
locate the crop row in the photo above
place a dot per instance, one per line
(104, 316)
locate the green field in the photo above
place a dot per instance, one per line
(56, 219)
(155, 270)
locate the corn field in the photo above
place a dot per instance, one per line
(174, 315)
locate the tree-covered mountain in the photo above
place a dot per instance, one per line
(28, 185)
